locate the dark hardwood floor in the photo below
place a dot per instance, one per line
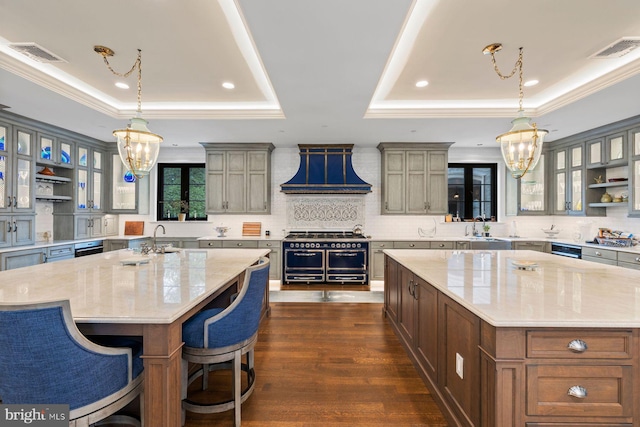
(327, 365)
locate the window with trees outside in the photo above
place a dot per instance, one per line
(181, 192)
(473, 190)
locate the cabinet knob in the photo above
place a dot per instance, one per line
(382, 245)
(210, 243)
(411, 245)
(577, 391)
(598, 253)
(441, 245)
(268, 244)
(638, 259)
(239, 244)
(577, 346)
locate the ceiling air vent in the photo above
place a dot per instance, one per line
(617, 49)
(36, 52)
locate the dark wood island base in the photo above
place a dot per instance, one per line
(489, 376)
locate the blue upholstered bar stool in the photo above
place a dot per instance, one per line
(45, 359)
(218, 338)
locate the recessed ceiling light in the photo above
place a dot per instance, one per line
(228, 85)
(422, 83)
(122, 85)
(531, 83)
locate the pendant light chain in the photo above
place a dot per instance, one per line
(517, 67)
(138, 65)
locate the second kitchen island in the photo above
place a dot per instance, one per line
(519, 338)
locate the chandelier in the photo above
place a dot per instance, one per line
(137, 146)
(521, 146)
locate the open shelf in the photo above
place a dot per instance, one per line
(610, 184)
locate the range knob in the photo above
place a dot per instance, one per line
(359, 245)
(307, 245)
(344, 245)
(333, 245)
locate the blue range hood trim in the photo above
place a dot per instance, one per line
(326, 169)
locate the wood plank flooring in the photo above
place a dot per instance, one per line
(325, 365)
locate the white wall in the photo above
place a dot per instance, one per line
(366, 162)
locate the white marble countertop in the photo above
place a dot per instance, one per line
(560, 292)
(102, 290)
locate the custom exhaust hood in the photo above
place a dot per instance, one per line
(325, 169)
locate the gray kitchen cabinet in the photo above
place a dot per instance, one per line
(238, 178)
(570, 176)
(110, 225)
(59, 253)
(209, 244)
(414, 178)
(376, 259)
(21, 258)
(602, 256)
(52, 150)
(446, 244)
(16, 170)
(607, 151)
(629, 260)
(539, 246)
(78, 226)
(275, 256)
(239, 243)
(89, 179)
(416, 244)
(17, 230)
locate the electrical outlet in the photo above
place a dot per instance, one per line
(460, 365)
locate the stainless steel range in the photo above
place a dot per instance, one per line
(325, 257)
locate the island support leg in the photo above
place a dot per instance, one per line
(162, 381)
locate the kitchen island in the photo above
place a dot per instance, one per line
(150, 298)
(519, 338)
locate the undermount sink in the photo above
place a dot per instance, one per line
(486, 239)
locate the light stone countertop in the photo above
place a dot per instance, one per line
(560, 292)
(102, 290)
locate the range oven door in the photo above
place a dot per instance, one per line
(303, 265)
(347, 266)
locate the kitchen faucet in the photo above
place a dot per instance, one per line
(154, 248)
(479, 218)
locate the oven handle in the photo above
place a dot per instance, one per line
(306, 253)
(345, 254)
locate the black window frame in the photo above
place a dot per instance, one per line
(453, 199)
(184, 189)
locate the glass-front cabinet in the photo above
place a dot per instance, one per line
(54, 151)
(128, 194)
(527, 195)
(607, 151)
(568, 175)
(89, 191)
(634, 139)
(16, 170)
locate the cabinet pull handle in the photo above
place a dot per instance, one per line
(577, 391)
(415, 288)
(409, 287)
(8, 227)
(9, 199)
(386, 206)
(44, 258)
(15, 202)
(577, 346)
(638, 259)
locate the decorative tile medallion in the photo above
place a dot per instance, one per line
(340, 213)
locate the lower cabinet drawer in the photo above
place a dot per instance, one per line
(607, 391)
(578, 344)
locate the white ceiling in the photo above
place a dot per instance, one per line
(321, 71)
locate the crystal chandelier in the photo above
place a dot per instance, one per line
(137, 146)
(522, 145)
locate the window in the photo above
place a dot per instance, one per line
(473, 190)
(181, 190)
